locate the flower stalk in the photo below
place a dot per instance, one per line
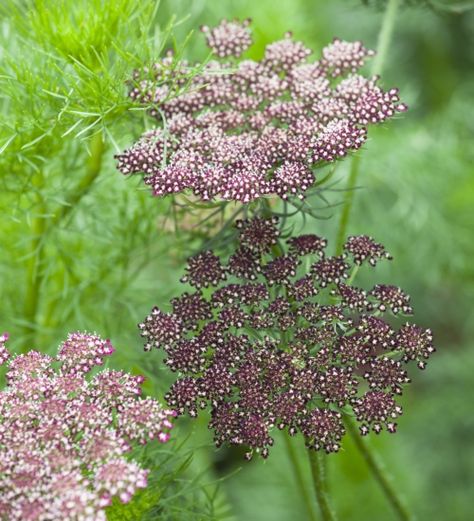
(94, 166)
(383, 43)
(300, 479)
(349, 199)
(320, 485)
(34, 277)
(379, 473)
(385, 35)
(41, 226)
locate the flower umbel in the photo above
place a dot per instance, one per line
(242, 129)
(289, 347)
(64, 437)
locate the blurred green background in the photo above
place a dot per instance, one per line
(84, 248)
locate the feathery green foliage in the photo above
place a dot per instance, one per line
(84, 248)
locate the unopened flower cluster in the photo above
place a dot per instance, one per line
(240, 129)
(278, 336)
(64, 437)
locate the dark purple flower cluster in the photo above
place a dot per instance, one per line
(64, 437)
(242, 129)
(273, 344)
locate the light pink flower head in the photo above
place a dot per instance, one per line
(64, 437)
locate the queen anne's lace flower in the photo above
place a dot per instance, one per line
(340, 57)
(228, 38)
(363, 248)
(242, 129)
(64, 437)
(294, 348)
(4, 354)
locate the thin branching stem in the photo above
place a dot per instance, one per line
(379, 473)
(320, 485)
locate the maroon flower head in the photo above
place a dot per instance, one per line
(376, 410)
(363, 248)
(160, 329)
(415, 343)
(244, 264)
(293, 349)
(385, 373)
(323, 429)
(258, 234)
(352, 297)
(281, 269)
(307, 244)
(391, 297)
(303, 288)
(330, 270)
(191, 308)
(203, 270)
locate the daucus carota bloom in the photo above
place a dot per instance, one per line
(4, 354)
(287, 342)
(240, 129)
(64, 436)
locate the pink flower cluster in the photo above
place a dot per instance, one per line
(242, 129)
(63, 437)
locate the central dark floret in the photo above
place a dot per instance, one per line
(242, 129)
(278, 336)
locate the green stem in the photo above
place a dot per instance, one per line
(383, 44)
(346, 210)
(385, 35)
(379, 473)
(94, 166)
(353, 275)
(320, 485)
(300, 479)
(34, 275)
(277, 251)
(93, 169)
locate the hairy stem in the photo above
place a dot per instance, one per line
(300, 480)
(320, 485)
(379, 473)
